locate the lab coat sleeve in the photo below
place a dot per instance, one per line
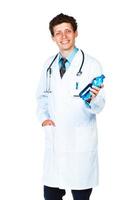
(97, 104)
(42, 97)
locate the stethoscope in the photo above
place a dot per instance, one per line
(49, 72)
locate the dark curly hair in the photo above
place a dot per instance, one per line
(61, 18)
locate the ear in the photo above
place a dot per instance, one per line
(76, 33)
(53, 38)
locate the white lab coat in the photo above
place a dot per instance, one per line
(71, 158)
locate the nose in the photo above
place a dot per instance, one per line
(63, 35)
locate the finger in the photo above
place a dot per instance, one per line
(94, 91)
(52, 123)
(48, 123)
(96, 88)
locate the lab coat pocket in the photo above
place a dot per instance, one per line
(49, 137)
(86, 139)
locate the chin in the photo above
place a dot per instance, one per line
(66, 48)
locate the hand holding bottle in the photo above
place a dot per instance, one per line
(92, 89)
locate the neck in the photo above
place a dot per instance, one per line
(66, 52)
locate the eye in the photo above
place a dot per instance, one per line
(68, 31)
(57, 33)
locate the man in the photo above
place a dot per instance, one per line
(69, 122)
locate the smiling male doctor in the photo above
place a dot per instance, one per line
(69, 123)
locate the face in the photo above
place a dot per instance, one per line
(64, 36)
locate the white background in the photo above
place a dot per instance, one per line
(106, 33)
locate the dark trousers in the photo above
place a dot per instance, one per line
(57, 194)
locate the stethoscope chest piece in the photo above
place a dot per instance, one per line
(79, 73)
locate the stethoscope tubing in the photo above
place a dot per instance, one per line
(49, 71)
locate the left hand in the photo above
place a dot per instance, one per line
(95, 90)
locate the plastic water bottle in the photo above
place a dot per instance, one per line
(86, 94)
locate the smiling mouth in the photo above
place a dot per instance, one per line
(65, 42)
